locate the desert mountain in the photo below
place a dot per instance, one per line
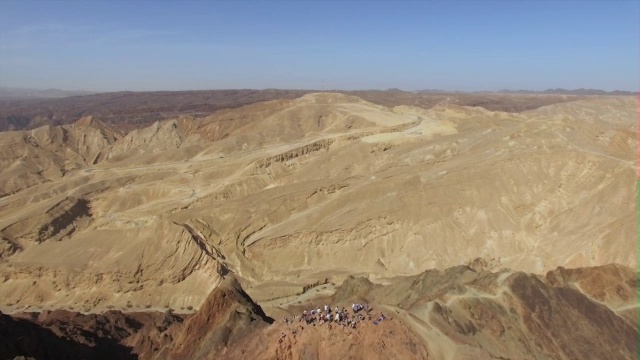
(480, 234)
(47, 153)
(292, 192)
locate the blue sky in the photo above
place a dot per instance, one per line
(451, 45)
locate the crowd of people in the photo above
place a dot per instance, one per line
(333, 316)
(340, 316)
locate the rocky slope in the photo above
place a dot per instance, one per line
(227, 317)
(69, 335)
(48, 153)
(511, 314)
(457, 313)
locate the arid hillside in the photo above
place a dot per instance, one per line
(478, 233)
(288, 193)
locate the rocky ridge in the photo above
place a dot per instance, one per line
(451, 314)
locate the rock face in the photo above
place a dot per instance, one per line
(227, 317)
(458, 313)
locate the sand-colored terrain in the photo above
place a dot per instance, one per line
(330, 198)
(292, 192)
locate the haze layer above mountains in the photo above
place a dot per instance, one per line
(309, 190)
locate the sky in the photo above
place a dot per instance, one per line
(451, 45)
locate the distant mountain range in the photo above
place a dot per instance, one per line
(11, 93)
(571, 92)
(557, 91)
(23, 93)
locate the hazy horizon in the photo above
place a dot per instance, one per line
(12, 88)
(452, 46)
